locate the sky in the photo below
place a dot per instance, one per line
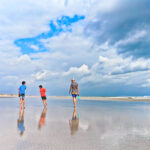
(103, 44)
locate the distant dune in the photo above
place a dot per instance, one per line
(7, 95)
(85, 98)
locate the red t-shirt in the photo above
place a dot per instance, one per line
(42, 91)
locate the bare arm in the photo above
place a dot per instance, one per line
(70, 89)
(78, 89)
(18, 92)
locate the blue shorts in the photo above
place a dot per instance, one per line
(74, 95)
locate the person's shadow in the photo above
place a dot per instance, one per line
(74, 122)
(20, 121)
(42, 118)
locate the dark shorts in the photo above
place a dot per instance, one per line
(22, 96)
(74, 95)
(43, 97)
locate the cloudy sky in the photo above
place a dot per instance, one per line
(104, 44)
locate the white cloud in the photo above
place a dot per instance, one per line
(24, 58)
(82, 70)
(20, 19)
(44, 75)
(36, 48)
(132, 38)
(113, 68)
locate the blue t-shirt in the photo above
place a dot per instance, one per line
(22, 89)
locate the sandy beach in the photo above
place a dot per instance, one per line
(127, 98)
(105, 98)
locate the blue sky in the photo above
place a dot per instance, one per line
(33, 44)
(104, 44)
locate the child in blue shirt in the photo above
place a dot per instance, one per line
(21, 94)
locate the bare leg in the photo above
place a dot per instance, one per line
(74, 101)
(44, 102)
(20, 103)
(23, 103)
(74, 113)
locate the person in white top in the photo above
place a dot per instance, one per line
(74, 90)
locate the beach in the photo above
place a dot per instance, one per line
(106, 125)
(121, 98)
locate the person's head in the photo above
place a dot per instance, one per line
(73, 80)
(40, 86)
(23, 82)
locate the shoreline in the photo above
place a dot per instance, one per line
(100, 98)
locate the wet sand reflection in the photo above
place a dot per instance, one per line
(42, 118)
(20, 121)
(74, 122)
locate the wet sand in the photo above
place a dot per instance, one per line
(106, 98)
(127, 98)
(97, 125)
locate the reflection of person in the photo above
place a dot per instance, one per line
(74, 89)
(43, 95)
(74, 123)
(20, 121)
(42, 118)
(21, 93)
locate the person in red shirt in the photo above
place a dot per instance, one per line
(43, 95)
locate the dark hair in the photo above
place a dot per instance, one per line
(23, 82)
(40, 86)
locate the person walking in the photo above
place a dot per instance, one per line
(74, 90)
(43, 95)
(21, 94)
